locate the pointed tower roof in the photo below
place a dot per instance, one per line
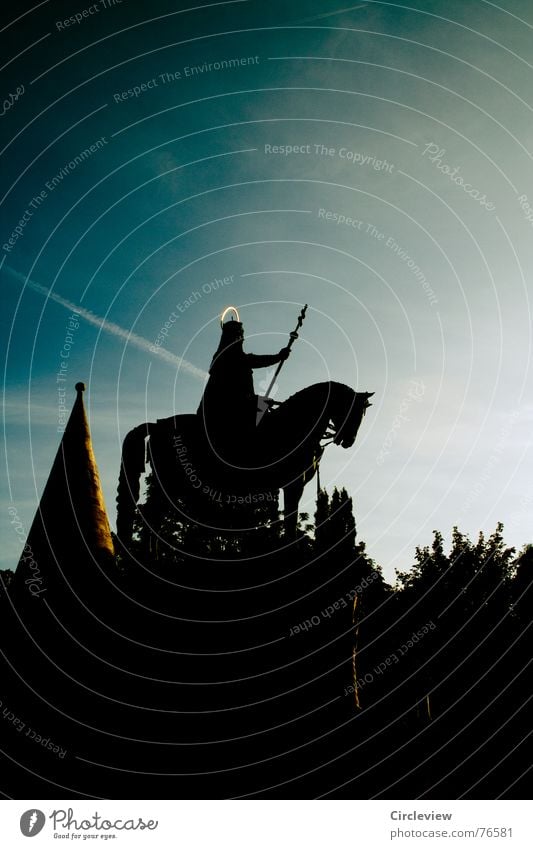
(70, 529)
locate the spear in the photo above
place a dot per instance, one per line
(263, 400)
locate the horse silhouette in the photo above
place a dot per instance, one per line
(284, 454)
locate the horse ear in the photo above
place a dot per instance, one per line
(369, 394)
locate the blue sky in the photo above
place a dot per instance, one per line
(233, 185)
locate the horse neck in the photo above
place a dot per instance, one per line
(333, 396)
(330, 397)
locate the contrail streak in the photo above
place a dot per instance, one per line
(329, 14)
(110, 326)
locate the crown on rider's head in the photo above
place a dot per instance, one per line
(234, 329)
(231, 329)
(233, 310)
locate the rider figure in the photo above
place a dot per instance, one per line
(229, 404)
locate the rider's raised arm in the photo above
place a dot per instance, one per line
(264, 360)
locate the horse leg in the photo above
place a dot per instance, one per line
(291, 499)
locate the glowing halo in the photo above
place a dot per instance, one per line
(226, 311)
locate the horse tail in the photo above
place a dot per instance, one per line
(132, 465)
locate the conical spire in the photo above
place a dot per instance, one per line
(70, 530)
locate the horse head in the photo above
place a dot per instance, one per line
(348, 419)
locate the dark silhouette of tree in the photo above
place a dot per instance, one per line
(321, 521)
(521, 587)
(334, 522)
(6, 578)
(446, 659)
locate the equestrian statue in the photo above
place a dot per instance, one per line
(239, 449)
